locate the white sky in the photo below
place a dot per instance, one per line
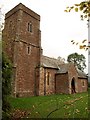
(57, 27)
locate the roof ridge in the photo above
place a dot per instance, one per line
(51, 62)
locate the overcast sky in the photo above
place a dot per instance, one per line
(57, 27)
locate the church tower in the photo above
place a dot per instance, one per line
(22, 43)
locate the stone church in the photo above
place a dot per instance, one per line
(33, 73)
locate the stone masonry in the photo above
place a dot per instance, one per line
(33, 73)
(23, 48)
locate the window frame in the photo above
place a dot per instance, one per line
(28, 50)
(30, 27)
(48, 78)
(83, 83)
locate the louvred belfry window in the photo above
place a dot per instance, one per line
(30, 27)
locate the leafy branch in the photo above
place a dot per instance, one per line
(84, 45)
(84, 7)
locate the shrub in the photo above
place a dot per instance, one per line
(6, 85)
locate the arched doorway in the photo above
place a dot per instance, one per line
(73, 86)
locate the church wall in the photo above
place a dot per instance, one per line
(72, 72)
(47, 81)
(23, 48)
(61, 83)
(22, 44)
(82, 84)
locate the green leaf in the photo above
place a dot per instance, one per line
(72, 7)
(76, 9)
(85, 16)
(65, 11)
(76, 4)
(81, 8)
(67, 7)
(88, 15)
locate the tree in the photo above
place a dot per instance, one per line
(78, 60)
(84, 8)
(6, 85)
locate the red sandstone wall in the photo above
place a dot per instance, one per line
(50, 81)
(62, 84)
(17, 39)
(82, 85)
(78, 81)
(9, 35)
(41, 81)
(72, 72)
(64, 81)
(47, 86)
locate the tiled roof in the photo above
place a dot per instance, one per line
(64, 69)
(81, 74)
(50, 62)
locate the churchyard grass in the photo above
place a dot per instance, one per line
(51, 106)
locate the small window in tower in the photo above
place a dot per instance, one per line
(30, 27)
(29, 50)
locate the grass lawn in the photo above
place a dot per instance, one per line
(53, 106)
